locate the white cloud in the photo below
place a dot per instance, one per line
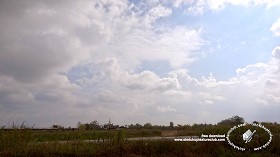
(275, 28)
(276, 53)
(178, 3)
(217, 5)
(156, 13)
(145, 91)
(166, 109)
(200, 6)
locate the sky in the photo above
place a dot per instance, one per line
(138, 61)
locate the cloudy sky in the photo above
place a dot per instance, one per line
(138, 61)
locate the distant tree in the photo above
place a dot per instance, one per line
(79, 124)
(131, 126)
(82, 127)
(87, 126)
(57, 127)
(171, 125)
(138, 126)
(196, 126)
(148, 126)
(232, 121)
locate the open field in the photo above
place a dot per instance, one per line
(26, 142)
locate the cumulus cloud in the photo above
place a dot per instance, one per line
(276, 53)
(43, 41)
(201, 98)
(275, 28)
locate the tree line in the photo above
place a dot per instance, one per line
(94, 125)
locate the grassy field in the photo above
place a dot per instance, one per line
(26, 142)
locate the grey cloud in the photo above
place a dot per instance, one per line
(35, 45)
(36, 57)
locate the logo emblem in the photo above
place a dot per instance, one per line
(248, 135)
(262, 137)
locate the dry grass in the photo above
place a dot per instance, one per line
(167, 133)
(24, 142)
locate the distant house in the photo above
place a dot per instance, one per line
(110, 126)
